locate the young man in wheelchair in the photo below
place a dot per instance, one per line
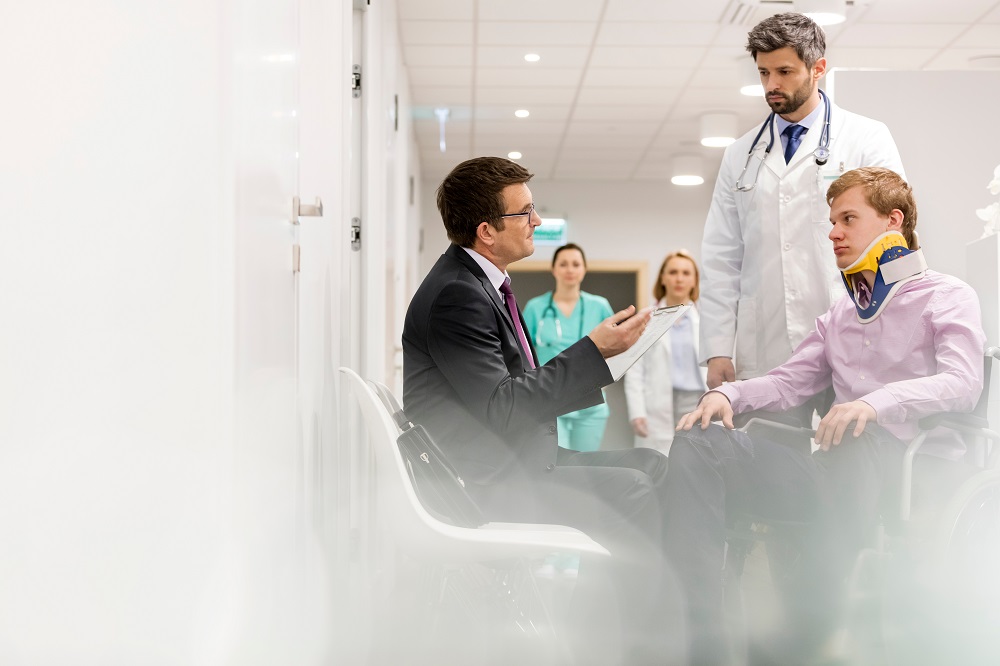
(906, 343)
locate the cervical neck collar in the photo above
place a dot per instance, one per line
(893, 263)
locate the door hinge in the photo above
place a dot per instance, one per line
(355, 233)
(356, 82)
(296, 255)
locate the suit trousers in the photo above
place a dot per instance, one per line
(717, 475)
(632, 599)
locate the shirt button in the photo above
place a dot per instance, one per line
(552, 428)
(550, 467)
(862, 376)
(868, 343)
(787, 198)
(788, 246)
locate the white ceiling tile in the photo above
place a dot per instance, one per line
(907, 11)
(597, 172)
(436, 9)
(596, 138)
(871, 58)
(441, 95)
(538, 113)
(590, 128)
(606, 154)
(658, 10)
(639, 96)
(733, 36)
(415, 55)
(652, 33)
(535, 144)
(959, 59)
(992, 17)
(532, 10)
(456, 114)
(524, 96)
(643, 56)
(436, 32)
(718, 99)
(428, 133)
(728, 58)
(440, 76)
(985, 36)
(513, 56)
(613, 77)
(901, 35)
(527, 76)
(619, 113)
(535, 34)
(513, 127)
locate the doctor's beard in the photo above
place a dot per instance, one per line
(791, 104)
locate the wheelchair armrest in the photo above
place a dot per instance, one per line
(953, 421)
(782, 433)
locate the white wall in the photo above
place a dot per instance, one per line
(633, 221)
(172, 485)
(943, 125)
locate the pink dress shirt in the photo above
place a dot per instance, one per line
(922, 355)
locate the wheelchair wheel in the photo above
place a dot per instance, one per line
(943, 608)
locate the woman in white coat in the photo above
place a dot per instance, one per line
(667, 381)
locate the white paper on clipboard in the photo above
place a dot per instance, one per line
(659, 323)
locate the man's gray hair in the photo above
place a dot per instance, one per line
(794, 30)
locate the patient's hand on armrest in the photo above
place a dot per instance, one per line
(831, 429)
(713, 406)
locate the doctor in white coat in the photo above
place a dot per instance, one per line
(768, 269)
(667, 382)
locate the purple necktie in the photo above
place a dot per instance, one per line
(864, 293)
(794, 134)
(511, 302)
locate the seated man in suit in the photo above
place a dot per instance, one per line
(471, 378)
(907, 342)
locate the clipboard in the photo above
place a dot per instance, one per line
(659, 323)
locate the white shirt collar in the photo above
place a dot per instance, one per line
(495, 275)
(807, 122)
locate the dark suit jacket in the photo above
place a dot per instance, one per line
(464, 378)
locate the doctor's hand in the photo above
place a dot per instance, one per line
(640, 427)
(832, 427)
(713, 405)
(620, 331)
(720, 369)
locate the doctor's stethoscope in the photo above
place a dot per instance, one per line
(551, 308)
(821, 154)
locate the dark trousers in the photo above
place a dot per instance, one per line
(617, 498)
(718, 474)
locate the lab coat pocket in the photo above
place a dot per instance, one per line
(746, 335)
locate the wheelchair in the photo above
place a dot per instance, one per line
(926, 591)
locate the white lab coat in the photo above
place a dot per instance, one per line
(649, 390)
(768, 268)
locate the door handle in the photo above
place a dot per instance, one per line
(305, 210)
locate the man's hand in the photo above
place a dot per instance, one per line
(720, 369)
(713, 404)
(620, 331)
(640, 427)
(831, 428)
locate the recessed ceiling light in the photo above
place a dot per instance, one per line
(514, 155)
(522, 113)
(718, 130)
(687, 170)
(532, 57)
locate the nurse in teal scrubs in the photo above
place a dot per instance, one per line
(556, 320)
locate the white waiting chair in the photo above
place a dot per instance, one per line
(485, 571)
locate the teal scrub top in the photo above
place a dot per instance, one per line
(551, 331)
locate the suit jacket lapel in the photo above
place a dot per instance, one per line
(461, 255)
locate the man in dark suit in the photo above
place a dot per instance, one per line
(471, 378)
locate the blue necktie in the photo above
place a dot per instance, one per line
(794, 134)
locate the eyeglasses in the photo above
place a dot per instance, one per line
(530, 211)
